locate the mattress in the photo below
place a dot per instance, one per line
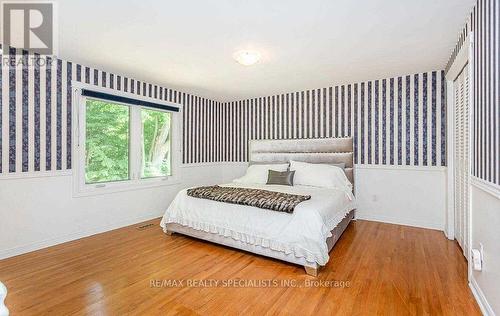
(301, 236)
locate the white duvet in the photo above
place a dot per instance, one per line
(302, 233)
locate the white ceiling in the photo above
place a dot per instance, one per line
(188, 44)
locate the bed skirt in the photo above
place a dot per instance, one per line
(228, 241)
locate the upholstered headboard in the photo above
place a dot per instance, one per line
(319, 150)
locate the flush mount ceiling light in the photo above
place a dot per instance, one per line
(247, 57)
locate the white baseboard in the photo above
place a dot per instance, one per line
(399, 221)
(449, 235)
(480, 298)
(77, 235)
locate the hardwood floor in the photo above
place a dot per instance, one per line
(390, 270)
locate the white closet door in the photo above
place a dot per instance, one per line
(457, 93)
(461, 155)
(466, 161)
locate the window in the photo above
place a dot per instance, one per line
(122, 145)
(107, 142)
(156, 144)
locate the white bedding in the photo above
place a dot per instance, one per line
(302, 233)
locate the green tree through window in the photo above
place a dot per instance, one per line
(107, 142)
(156, 143)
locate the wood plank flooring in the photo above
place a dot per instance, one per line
(386, 269)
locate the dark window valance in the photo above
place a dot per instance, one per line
(126, 100)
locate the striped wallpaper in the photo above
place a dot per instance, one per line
(36, 111)
(485, 19)
(394, 121)
(484, 22)
(462, 37)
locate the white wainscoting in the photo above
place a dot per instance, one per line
(414, 196)
(405, 195)
(38, 212)
(485, 213)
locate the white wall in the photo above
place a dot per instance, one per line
(485, 211)
(414, 196)
(41, 211)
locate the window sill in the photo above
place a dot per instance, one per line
(116, 187)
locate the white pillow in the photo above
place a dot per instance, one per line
(258, 173)
(319, 175)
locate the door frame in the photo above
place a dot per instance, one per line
(464, 58)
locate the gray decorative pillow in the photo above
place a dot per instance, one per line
(281, 178)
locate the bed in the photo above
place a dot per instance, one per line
(304, 237)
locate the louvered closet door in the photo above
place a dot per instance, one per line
(461, 155)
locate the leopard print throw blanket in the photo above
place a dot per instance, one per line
(275, 201)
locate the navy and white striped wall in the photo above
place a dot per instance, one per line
(394, 121)
(485, 20)
(462, 36)
(36, 111)
(202, 141)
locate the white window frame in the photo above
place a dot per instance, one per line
(80, 187)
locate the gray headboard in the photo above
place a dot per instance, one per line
(318, 150)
